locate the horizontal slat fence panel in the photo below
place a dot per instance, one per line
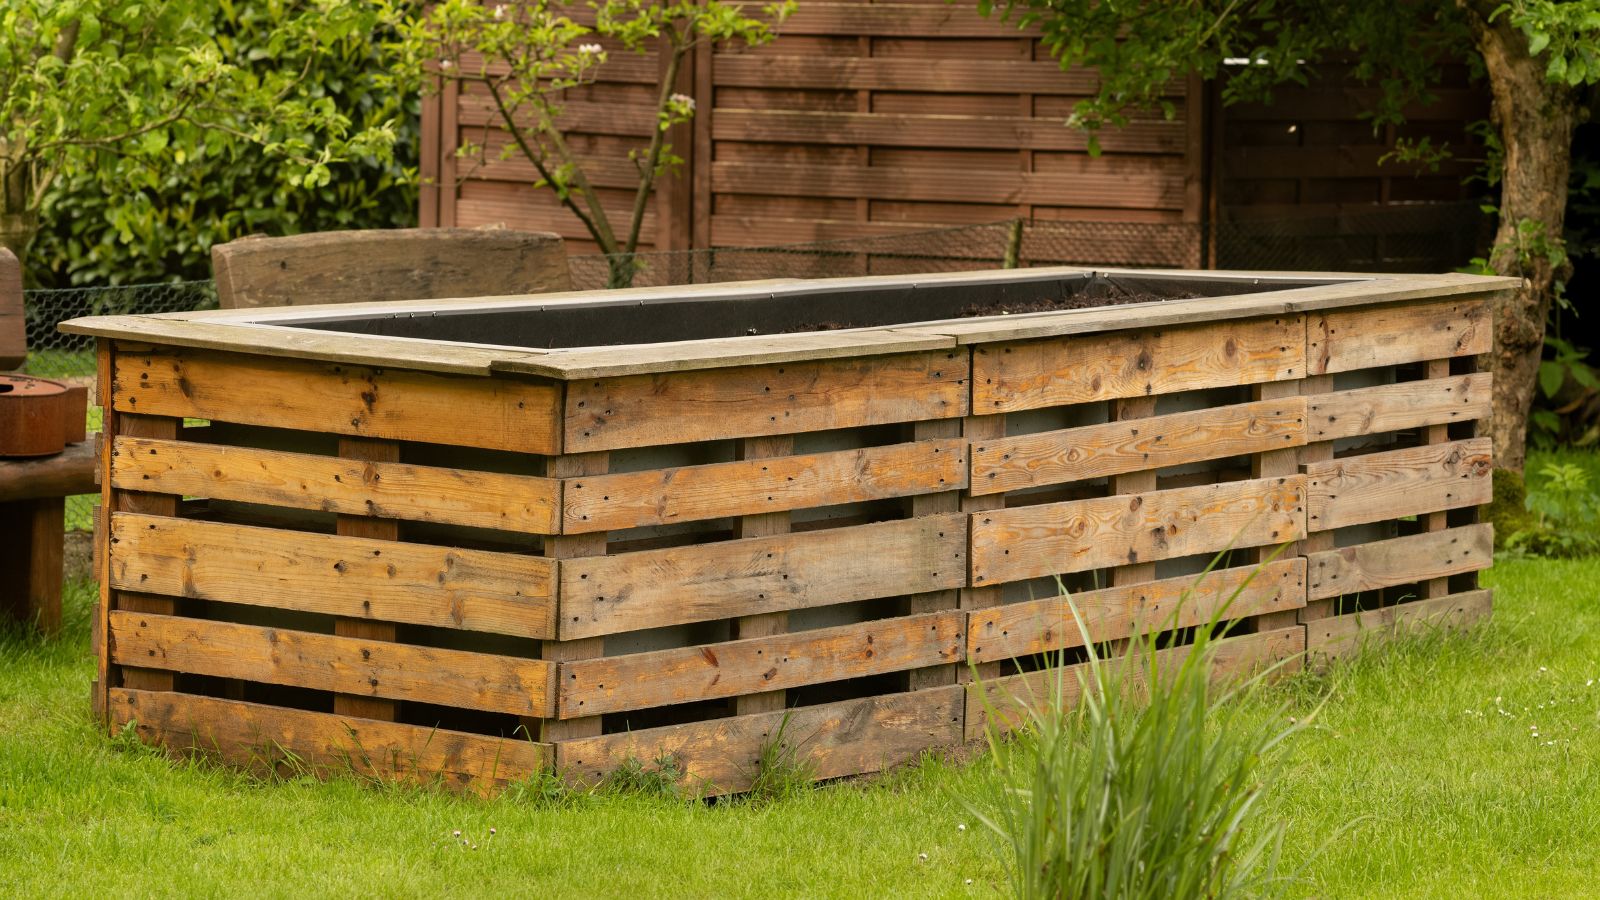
(331, 484)
(1402, 560)
(769, 484)
(1077, 535)
(1009, 377)
(651, 588)
(330, 663)
(755, 665)
(386, 581)
(258, 736)
(1393, 407)
(1395, 483)
(1332, 638)
(1365, 337)
(1055, 623)
(499, 414)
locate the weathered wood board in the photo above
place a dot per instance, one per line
(1076, 535)
(1362, 338)
(1340, 636)
(1395, 407)
(1394, 483)
(1402, 560)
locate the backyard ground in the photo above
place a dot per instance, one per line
(1438, 768)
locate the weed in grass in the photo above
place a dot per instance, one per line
(635, 778)
(1140, 780)
(782, 770)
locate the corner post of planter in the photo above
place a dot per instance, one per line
(1282, 463)
(1317, 381)
(573, 546)
(752, 526)
(977, 429)
(371, 528)
(933, 601)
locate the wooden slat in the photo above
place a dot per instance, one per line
(1099, 190)
(325, 662)
(665, 677)
(1095, 451)
(754, 486)
(846, 738)
(1395, 407)
(909, 130)
(750, 401)
(1343, 340)
(646, 589)
(258, 736)
(351, 487)
(897, 20)
(1403, 560)
(498, 414)
(371, 528)
(1002, 701)
(1397, 483)
(384, 581)
(1040, 626)
(1021, 375)
(1077, 535)
(1338, 636)
(760, 525)
(839, 73)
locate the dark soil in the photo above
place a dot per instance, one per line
(1003, 308)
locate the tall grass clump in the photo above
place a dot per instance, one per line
(1137, 776)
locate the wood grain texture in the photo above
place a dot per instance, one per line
(650, 588)
(255, 736)
(325, 662)
(385, 581)
(1336, 636)
(756, 486)
(644, 410)
(1113, 448)
(387, 264)
(844, 738)
(352, 487)
(1056, 538)
(1395, 483)
(13, 325)
(1040, 626)
(498, 414)
(1396, 407)
(1402, 560)
(570, 546)
(754, 665)
(1013, 376)
(1000, 703)
(1343, 340)
(679, 356)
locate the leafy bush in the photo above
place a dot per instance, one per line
(1565, 515)
(133, 218)
(1136, 792)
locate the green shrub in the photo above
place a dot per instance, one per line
(1564, 513)
(1132, 792)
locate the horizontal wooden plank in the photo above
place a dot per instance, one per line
(1402, 560)
(898, 20)
(1396, 407)
(748, 401)
(1077, 535)
(664, 677)
(350, 487)
(650, 588)
(1014, 376)
(910, 130)
(677, 356)
(1041, 626)
(1003, 702)
(850, 737)
(1104, 189)
(1362, 338)
(1395, 483)
(754, 486)
(325, 662)
(258, 737)
(385, 581)
(1112, 448)
(852, 73)
(499, 414)
(1341, 636)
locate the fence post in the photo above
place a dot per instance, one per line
(1013, 245)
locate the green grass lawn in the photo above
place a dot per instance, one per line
(1441, 768)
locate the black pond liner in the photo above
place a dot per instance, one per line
(793, 309)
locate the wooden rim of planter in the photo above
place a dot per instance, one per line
(269, 332)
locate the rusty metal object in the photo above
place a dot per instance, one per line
(39, 417)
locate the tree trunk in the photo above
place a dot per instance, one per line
(1535, 118)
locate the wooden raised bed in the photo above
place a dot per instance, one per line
(462, 539)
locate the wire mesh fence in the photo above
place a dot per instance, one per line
(1423, 239)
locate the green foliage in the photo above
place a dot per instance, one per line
(1566, 515)
(124, 91)
(135, 218)
(1142, 780)
(633, 777)
(782, 770)
(526, 57)
(1565, 33)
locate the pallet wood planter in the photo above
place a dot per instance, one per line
(477, 539)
